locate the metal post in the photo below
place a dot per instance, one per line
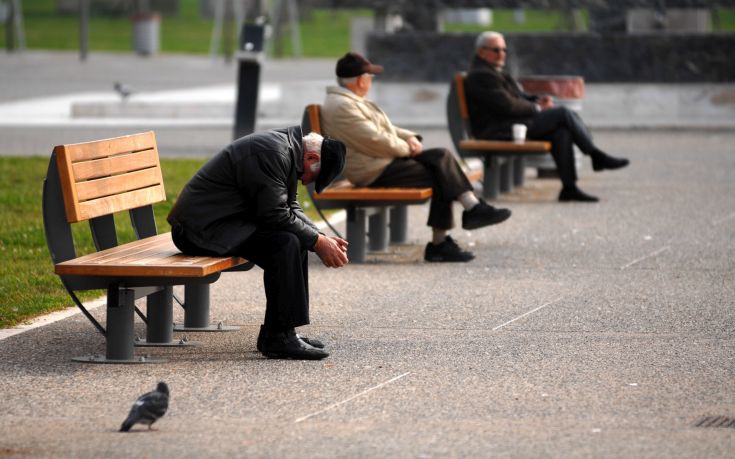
(196, 311)
(159, 307)
(120, 318)
(519, 165)
(356, 234)
(83, 29)
(378, 230)
(251, 47)
(506, 175)
(491, 177)
(399, 224)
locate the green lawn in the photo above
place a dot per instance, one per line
(28, 285)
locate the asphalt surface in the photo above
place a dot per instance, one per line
(580, 330)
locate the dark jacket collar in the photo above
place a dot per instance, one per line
(296, 147)
(479, 63)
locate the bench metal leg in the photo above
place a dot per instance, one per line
(519, 170)
(120, 332)
(398, 224)
(196, 311)
(491, 177)
(160, 329)
(356, 234)
(378, 230)
(506, 175)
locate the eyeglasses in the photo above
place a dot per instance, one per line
(497, 50)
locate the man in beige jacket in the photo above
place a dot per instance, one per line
(382, 155)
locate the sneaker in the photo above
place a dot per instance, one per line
(447, 251)
(602, 161)
(575, 194)
(483, 214)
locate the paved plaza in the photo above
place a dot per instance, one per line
(580, 330)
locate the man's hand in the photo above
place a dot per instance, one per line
(415, 146)
(332, 251)
(545, 102)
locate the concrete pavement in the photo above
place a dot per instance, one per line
(581, 330)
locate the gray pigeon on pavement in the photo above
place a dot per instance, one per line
(148, 408)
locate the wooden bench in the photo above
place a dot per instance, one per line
(366, 206)
(503, 159)
(92, 181)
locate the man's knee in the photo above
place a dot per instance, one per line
(286, 244)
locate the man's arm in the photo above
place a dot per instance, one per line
(355, 128)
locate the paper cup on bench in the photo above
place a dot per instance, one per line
(519, 133)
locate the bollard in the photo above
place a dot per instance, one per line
(248, 78)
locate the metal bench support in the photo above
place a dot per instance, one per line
(159, 332)
(399, 224)
(519, 165)
(378, 230)
(196, 311)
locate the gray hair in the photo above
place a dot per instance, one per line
(485, 37)
(312, 142)
(345, 81)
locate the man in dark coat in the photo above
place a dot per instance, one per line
(243, 202)
(495, 102)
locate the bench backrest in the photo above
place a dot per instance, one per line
(108, 176)
(91, 181)
(458, 115)
(312, 121)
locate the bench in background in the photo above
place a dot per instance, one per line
(503, 160)
(90, 182)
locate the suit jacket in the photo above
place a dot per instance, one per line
(251, 184)
(372, 140)
(496, 102)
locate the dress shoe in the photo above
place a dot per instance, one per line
(288, 345)
(447, 251)
(264, 333)
(602, 161)
(483, 214)
(575, 194)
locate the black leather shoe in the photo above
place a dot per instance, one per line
(288, 345)
(483, 214)
(602, 161)
(264, 333)
(447, 251)
(575, 194)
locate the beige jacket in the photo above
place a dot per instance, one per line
(372, 140)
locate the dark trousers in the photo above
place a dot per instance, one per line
(285, 273)
(436, 168)
(564, 128)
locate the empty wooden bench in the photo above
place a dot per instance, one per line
(92, 181)
(503, 159)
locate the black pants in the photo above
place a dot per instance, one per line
(564, 128)
(285, 273)
(435, 168)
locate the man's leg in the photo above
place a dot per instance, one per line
(546, 122)
(286, 280)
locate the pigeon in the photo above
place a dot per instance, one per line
(148, 408)
(122, 89)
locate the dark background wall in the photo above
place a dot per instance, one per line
(665, 58)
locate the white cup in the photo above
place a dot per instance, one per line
(519, 132)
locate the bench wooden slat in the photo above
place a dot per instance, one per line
(110, 147)
(117, 184)
(159, 258)
(118, 202)
(84, 157)
(374, 194)
(115, 165)
(528, 146)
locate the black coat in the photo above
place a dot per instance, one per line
(249, 185)
(495, 102)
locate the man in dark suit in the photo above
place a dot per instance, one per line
(243, 202)
(496, 102)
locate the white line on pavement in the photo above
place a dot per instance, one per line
(637, 260)
(529, 312)
(334, 405)
(723, 219)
